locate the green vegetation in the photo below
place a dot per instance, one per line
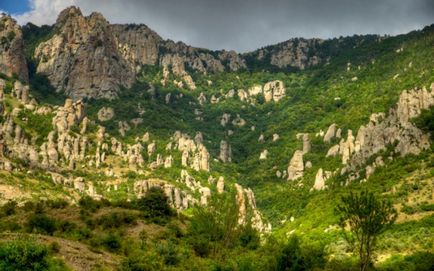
(146, 234)
(27, 255)
(367, 217)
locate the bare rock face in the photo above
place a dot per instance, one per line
(247, 210)
(225, 152)
(320, 179)
(221, 185)
(274, 91)
(294, 53)
(138, 44)
(82, 59)
(12, 58)
(330, 134)
(306, 142)
(296, 166)
(395, 128)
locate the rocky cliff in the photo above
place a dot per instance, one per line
(12, 59)
(82, 58)
(294, 53)
(88, 57)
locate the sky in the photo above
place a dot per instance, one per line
(242, 25)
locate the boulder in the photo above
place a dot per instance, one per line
(296, 166)
(105, 114)
(330, 134)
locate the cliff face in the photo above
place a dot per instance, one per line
(294, 53)
(89, 58)
(82, 58)
(12, 59)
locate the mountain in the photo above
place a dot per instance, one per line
(120, 150)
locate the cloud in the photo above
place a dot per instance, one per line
(248, 24)
(43, 11)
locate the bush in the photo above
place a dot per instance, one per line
(137, 262)
(9, 208)
(291, 258)
(112, 242)
(249, 237)
(23, 255)
(419, 261)
(116, 220)
(89, 204)
(42, 223)
(155, 206)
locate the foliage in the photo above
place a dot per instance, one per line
(154, 205)
(9, 208)
(367, 216)
(42, 223)
(26, 255)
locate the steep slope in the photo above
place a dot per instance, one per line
(82, 59)
(12, 58)
(267, 150)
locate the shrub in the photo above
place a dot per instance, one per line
(155, 206)
(112, 242)
(291, 258)
(9, 208)
(116, 220)
(23, 255)
(41, 223)
(57, 204)
(137, 262)
(249, 237)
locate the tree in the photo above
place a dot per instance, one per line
(154, 205)
(367, 217)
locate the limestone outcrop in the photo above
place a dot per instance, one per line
(12, 58)
(225, 152)
(247, 210)
(296, 166)
(105, 114)
(295, 53)
(82, 58)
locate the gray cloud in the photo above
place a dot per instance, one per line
(245, 25)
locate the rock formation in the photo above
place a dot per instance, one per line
(12, 58)
(225, 152)
(105, 114)
(296, 166)
(82, 58)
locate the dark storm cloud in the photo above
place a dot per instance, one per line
(245, 25)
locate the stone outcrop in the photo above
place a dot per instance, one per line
(296, 53)
(12, 58)
(395, 128)
(306, 142)
(320, 179)
(177, 198)
(296, 166)
(271, 91)
(194, 153)
(330, 134)
(274, 91)
(225, 152)
(247, 210)
(82, 58)
(105, 114)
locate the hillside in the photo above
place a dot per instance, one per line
(145, 154)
